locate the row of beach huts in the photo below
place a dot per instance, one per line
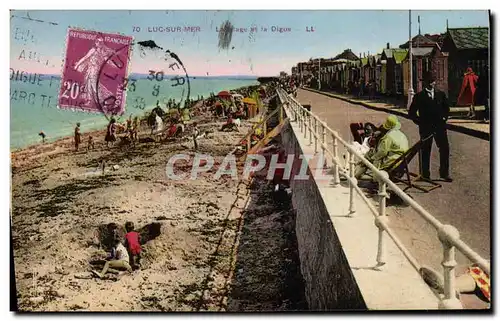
(447, 56)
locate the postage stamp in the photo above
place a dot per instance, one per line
(93, 63)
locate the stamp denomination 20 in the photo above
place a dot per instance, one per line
(89, 54)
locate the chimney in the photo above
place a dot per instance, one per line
(388, 46)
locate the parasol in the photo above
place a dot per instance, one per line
(224, 94)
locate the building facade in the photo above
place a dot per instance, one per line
(466, 47)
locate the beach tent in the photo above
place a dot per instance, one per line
(249, 101)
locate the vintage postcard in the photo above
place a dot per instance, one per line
(250, 161)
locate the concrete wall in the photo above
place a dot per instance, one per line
(328, 278)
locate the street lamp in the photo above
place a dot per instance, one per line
(411, 93)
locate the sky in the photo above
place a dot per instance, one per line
(260, 53)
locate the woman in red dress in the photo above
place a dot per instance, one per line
(466, 96)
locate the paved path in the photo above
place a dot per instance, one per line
(465, 203)
(456, 123)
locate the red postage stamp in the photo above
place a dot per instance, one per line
(95, 72)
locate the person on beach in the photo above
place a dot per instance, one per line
(196, 135)
(78, 137)
(135, 128)
(218, 109)
(119, 259)
(158, 126)
(229, 124)
(129, 124)
(90, 143)
(111, 132)
(133, 245)
(152, 121)
(42, 134)
(158, 109)
(172, 130)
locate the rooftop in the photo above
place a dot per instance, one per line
(346, 54)
(421, 52)
(426, 40)
(470, 38)
(399, 55)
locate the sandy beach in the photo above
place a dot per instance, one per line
(212, 244)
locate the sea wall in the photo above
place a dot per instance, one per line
(329, 282)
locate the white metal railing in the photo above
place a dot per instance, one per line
(448, 235)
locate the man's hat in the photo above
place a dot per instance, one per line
(428, 78)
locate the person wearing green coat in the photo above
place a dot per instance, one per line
(390, 147)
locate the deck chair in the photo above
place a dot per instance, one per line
(400, 172)
(357, 131)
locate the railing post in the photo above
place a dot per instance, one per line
(303, 110)
(310, 130)
(336, 178)
(352, 182)
(381, 219)
(299, 118)
(447, 233)
(315, 135)
(323, 141)
(293, 111)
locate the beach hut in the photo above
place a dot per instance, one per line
(394, 71)
(466, 47)
(252, 106)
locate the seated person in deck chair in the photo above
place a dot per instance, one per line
(390, 147)
(229, 124)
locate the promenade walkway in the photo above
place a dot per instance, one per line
(456, 122)
(465, 203)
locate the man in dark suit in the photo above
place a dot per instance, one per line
(430, 111)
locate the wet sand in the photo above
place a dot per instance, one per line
(213, 244)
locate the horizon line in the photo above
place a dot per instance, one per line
(168, 75)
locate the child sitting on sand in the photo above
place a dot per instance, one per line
(90, 143)
(133, 244)
(118, 260)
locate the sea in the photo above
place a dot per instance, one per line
(33, 103)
